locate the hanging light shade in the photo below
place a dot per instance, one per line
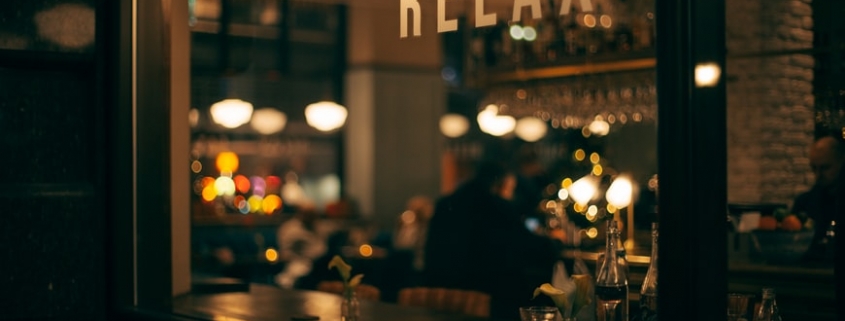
(530, 129)
(453, 125)
(268, 121)
(494, 124)
(325, 115)
(231, 113)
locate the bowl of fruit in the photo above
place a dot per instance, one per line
(782, 237)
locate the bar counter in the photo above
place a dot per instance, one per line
(804, 292)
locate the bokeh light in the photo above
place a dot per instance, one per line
(589, 20)
(580, 154)
(209, 193)
(196, 167)
(592, 232)
(271, 203)
(562, 194)
(242, 184)
(224, 186)
(227, 162)
(255, 202)
(365, 250)
(272, 185)
(595, 158)
(566, 182)
(271, 255)
(259, 186)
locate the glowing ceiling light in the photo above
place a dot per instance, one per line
(231, 113)
(530, 129)
(268, 121)
(453, 125)
(325, 115)
(494, 124)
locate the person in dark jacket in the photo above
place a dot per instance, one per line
(820, 203)
(477, 241)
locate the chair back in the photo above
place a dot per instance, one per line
(447, 300)
(363, 291)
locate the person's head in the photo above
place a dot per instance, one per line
(496, 178)
(827, 154)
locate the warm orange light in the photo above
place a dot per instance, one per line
(207, 181)
(227, 162)
(271, 254)
(242, 184)
(566, 182)
(209, 193)
(196, 166)
(580, 154)
(271, 203)
(366, 250)
(592, 232)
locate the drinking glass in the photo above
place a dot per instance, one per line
(539, 313)
(737, 306)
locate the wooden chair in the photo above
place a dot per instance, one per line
(447, 300)
(363, 291)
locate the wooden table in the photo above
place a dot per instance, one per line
(264, 302)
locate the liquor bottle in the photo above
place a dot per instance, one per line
(768, 310)
(612, 280)
(648, 292)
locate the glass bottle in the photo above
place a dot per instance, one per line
(768, 310)
(349, 309)
(612, 281)
(648, 292)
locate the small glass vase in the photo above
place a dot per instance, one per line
(349, 307)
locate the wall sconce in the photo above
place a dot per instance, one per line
(268, 121)
(325, 115)
(707, 74)
(231, 113)
(530, 129)
(453, 125)
(494, 124)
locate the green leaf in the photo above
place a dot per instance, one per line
(355, 280)
(557, 296)
(341, 266)
(582, 286)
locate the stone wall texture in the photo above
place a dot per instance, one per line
(770, 99)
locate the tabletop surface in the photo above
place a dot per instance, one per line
(264, 302)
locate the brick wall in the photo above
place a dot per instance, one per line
(769, 99)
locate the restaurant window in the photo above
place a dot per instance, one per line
(784, 90)
(595, 95)
(576, 85)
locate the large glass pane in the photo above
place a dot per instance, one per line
(783, 94)
(575, 81)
